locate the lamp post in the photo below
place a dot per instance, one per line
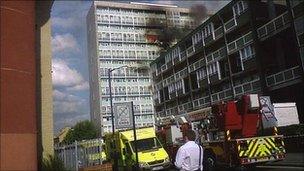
(110, 70)
(115, 167)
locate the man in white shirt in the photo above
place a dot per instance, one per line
(189, 156)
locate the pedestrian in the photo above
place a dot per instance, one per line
(189, 156)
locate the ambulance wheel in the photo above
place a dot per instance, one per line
(210, 162)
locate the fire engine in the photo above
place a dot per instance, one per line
(229, 132)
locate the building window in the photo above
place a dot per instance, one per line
(207, 31)
(197, 38)
(246, 53)
(239, 8)
(212, 68)
(201, 74)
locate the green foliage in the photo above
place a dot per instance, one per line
(81, 131)
(52, 163)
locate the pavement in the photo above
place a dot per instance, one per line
(292, 162)
(291, 159)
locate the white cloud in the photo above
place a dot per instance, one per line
(68, 109)
(63, 43)
(67, 103)
(61, 96)
(65, 23)
(64, 76)
(79, 87)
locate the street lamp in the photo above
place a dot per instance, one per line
(110, 70)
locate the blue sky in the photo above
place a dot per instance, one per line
(69, 58)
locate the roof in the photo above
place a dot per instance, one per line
(207, 21)
(140, 6)
(141, 133)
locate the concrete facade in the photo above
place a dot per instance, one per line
(246, 47)
(43, 33)
(117, 37)
(26, 98)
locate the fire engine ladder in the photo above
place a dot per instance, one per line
(271, 112)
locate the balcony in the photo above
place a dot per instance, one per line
(172, 111)
(274, 26)
(229, 25)
(218, 32)
(163, 68)
(185, 107)
(158, 71)
(190, 51)
(198, 45)
(196, 65)
(183, 55)
(222, 95)
(286, 76)
(218, 54)
(208, 39)
(240, 42)
(161, 113)
(181, 74)
(201, 102)
(250, 87)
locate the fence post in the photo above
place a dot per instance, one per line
(76, 155)
(64, 156)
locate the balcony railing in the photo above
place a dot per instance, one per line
(201, 102)
(160, 113)
(274, 25)
(220, 53)
(164, 67)
(183, 55)
(240, 42)
(283, 76)
(218, 32)
(185, 107)
(222, 95)
(172, 111)
(196, 65)
(229, 25)
(249, 87)
(168, 81)
(181, 74)
(190, 51)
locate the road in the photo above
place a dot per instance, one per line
(265, 168)
(277, 168)
(292, 162)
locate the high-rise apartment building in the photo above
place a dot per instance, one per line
(246, 47)
(124, 34)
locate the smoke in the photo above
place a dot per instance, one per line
(198, 12)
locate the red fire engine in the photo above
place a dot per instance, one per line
(229, 132)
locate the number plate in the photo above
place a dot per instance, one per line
(263, 159)
(158, 168)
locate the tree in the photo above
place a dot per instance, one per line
(81, 131)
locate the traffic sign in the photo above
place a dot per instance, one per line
(123, 115)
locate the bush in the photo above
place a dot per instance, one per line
(52, 163)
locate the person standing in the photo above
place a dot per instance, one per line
(189, 156)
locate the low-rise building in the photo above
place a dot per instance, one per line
(246, 47)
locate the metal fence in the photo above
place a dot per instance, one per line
(81, 154)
